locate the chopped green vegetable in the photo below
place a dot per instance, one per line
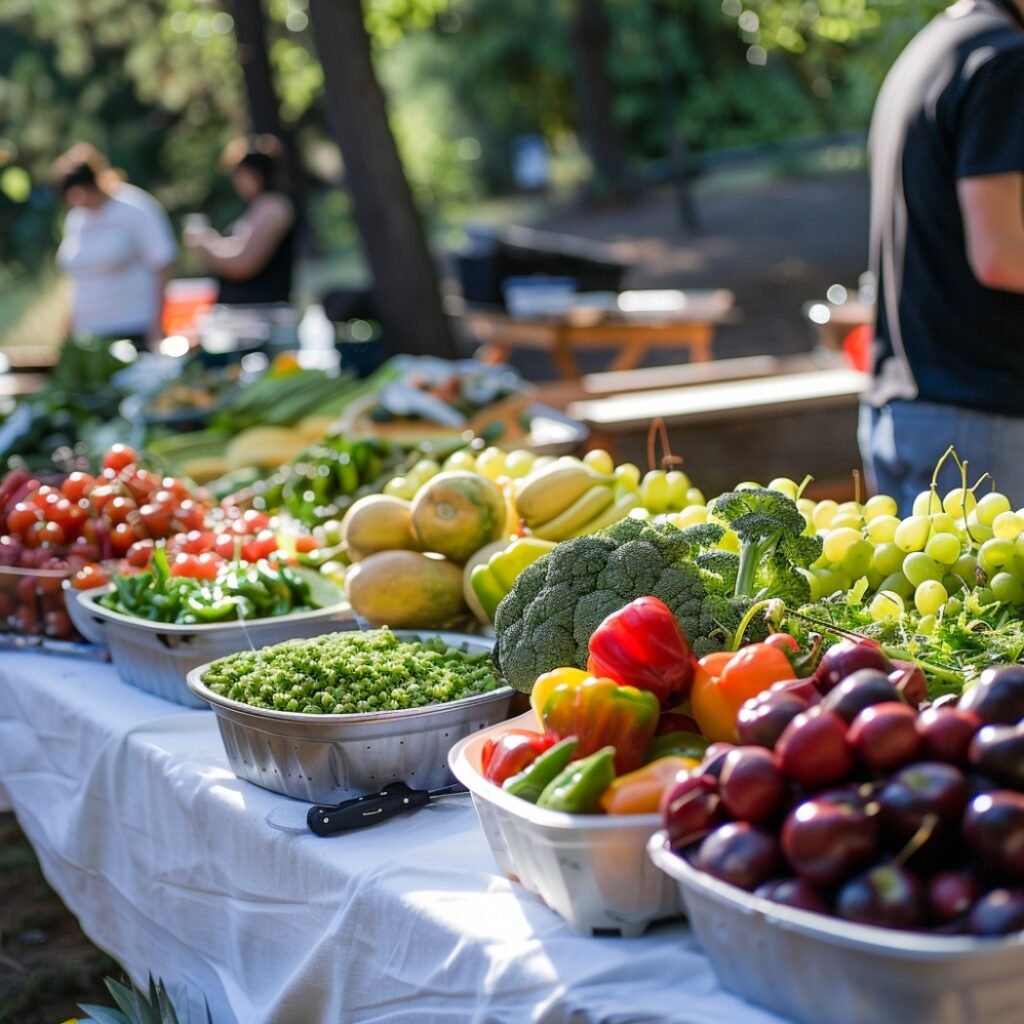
(352, 672)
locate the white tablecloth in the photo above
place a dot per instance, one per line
(167, 860)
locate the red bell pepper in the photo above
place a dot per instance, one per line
(511, 752)
(642, 645)
(600, 713)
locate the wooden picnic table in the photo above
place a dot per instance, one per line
(685, 320)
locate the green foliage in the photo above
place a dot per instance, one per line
(136, 1008)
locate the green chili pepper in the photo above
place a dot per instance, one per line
(535, 777)
(577, 788)
(207, 608)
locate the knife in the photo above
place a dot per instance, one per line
(362, 811)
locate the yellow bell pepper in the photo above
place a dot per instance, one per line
(546, 683)
(640, 792)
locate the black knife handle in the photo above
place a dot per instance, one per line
(363, 811)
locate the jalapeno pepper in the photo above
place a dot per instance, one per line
(599, 712)
(578, 787)
(640, 792)
(677, 744)
(642, 645)
(532, 780)
(725, 681)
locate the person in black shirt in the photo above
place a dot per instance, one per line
(947, 251)
(253, 262)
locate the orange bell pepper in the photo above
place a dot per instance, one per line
(640, 792)
(725, 681)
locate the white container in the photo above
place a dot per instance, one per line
(157, 656)
(592, 869)
(816, 969)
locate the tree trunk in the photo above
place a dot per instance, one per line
(405, 282)
(591, 33)
(261, 96)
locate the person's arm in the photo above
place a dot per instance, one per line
(992, 207)
(245, 252)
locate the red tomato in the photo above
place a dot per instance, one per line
(157, 519)
(51, 533)
(122, 537)
(304, 544)
(142, 483)
(23, 517)
(45, 496)
(208, 564)
(118, 509)
(255, 520)
(77, 485)
(190, 515)
(119, 456)
(174, 486)
(225, 546)
(260, 546)
(783, 641)
(198, 541)
(139, 554)
(89, 576)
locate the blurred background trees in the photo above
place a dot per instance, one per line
(162, 84)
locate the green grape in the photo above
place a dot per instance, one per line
(857, 560)
(692, 515)
(918, 568)
(519, 462)
(953, 584)
(824, 513)
(747, 485)
(966, 567)
(599, 461)
(888, 558)
(1007, 526)
(1019, 545)
(882, 529)
(806, 507)
(1007, 588)
(929, 597)
(830, 581)
(943, 547)
(424, 470)
(837, 542)
(912, 533)
(926, 625)
(880, 505)
(959, 503)
(942, 523)
(990, 506)
(654, 491)
(628, 475)
(461, 460)
(490, 463)
(874, 578)
(886, 605)
(978, 531)
(984, 596)
(678, 485)
(846, 522)
(926, 503)
(953, 607)
(995, 553)
(813, 582)
(401, 487)
(784, 485)
(850, 508)
(898, 584)
(695, 496)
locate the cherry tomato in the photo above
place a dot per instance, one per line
(118, 509)
(77, 486)
(142, 483)
(23, 517)
(304, 544)
(783, 641)
(225, 546)
(89, 576)
(122, 537)
(139, 554)
(45, 496)
(103, 494)
(51, 534)
(198, 567)
(58, 625)
(157, 519)
(209, 563)
(190, 515)
(260, 546)
(198, 541)
(176, 488)
(119, 457)
(255, 520)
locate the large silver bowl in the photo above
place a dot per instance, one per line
(324, 759)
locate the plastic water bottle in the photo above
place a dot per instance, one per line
(316, 339)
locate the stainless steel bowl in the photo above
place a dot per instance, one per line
(327, 758)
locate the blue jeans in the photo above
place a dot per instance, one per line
(901, 442)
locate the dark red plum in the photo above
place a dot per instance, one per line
(863, 689)
(946, 733)
(998, 751)
(951, 894)
(762, 719)
(994, 830)
(847, 657)
(691, 808)
(928, 793)
(813, 748)
(999, 912)
(910, 682)
(794, 892)
(752, 785)
(997, 698)
(886, 896)
(827, 842)
(884, 736)
(742, 854)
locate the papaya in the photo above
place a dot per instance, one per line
(375, 523)
(457, 513)
(406, 590)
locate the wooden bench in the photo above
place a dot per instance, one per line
(629, 328)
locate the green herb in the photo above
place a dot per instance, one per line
(352, 672)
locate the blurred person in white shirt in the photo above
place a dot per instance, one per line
(118, 250)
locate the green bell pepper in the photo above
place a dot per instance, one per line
(535, 777)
